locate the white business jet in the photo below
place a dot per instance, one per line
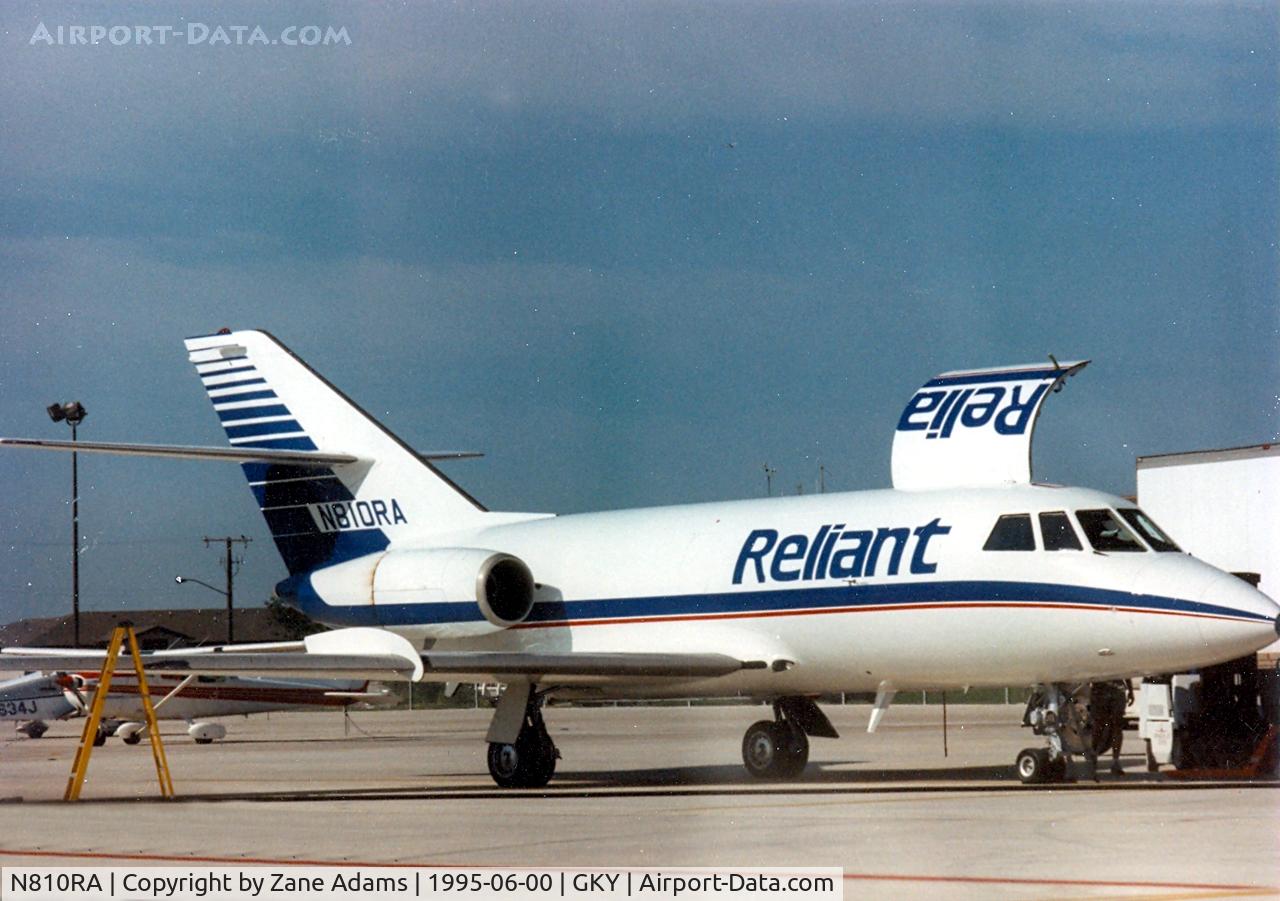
(965, 574)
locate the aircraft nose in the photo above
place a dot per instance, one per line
(1249, 620)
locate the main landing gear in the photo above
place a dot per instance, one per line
(1059, 713)
(779, 748)
(528, 758)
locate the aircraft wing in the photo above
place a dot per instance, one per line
(577, 667)
(367, 653)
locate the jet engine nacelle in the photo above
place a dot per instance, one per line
(461, 581)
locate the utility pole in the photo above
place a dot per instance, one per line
(227, 541)
(768, 478)
(822, 479)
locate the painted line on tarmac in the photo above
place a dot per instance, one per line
(569, 791)
(849, 877)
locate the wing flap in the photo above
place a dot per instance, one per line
(491, 666)
(389, 662)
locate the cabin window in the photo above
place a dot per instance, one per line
(1158, 540)
(1057, 533)
(1011, 533)
(1106, 532)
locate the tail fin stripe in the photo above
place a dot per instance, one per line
(220, 401)
(274, 435)
(313, 475)
(264, 428)
(301, 443)
(213, 388)
(215, 373)
(270, 473)
(279, 421)
(254, 412)
(255, 420)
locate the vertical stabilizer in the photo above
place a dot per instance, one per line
(268, 398)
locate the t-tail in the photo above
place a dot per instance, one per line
(270, 401)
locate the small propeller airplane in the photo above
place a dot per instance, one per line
(965, 574)
(32, 699)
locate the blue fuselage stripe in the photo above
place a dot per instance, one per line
(843, 598)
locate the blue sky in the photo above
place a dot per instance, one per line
(632, 251)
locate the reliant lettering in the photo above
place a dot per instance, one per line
(835, 552)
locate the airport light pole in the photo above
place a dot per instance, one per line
(73, 413)
(229, 593)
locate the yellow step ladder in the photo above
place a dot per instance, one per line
(123, 632)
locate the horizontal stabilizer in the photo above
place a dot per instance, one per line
(299, 665)
(317, 459)
(359, 653)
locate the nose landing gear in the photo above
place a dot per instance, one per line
(1057, 712)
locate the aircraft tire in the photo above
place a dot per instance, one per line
(100, 739)
(529, 763)
(132, 739)
(795, 747)
(35, 730)
(774, 750)
(1033, 766)
(1057, 771)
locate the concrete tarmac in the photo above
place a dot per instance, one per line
(650, 786)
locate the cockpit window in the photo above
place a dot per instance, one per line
(1158, 540)
(1056, 531)
(1011, 533)
(1106, 532)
